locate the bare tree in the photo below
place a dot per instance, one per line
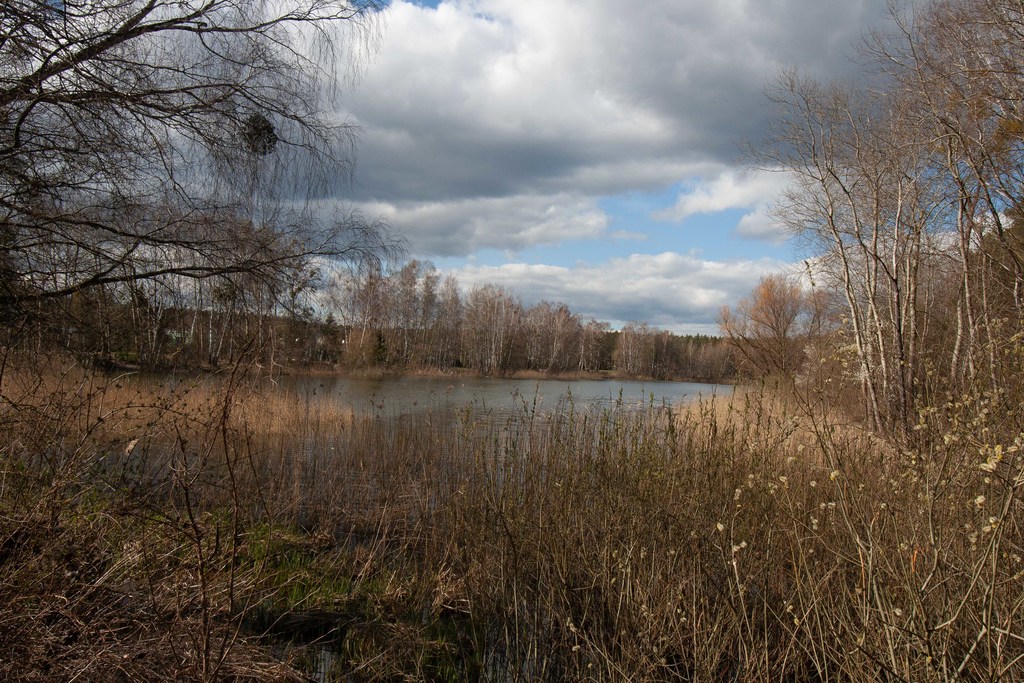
(492, 323)
(594, 350)
(768, 328)
(908, 186)
(635, 350)
(148, 138)
(862, 195)
(551, 335)
(446, 326)
(959, 64)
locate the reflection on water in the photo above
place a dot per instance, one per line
(391, 396)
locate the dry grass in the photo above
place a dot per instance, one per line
(744, 538)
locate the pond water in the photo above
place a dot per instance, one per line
(412, 395)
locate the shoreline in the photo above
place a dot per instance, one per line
(540, 375)
(329, 370)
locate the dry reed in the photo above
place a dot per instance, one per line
(744, 538)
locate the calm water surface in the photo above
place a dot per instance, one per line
(404, 395)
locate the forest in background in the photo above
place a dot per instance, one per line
(406, 320)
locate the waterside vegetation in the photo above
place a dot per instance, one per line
(851, 513)
(175, 532)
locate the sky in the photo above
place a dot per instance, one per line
(589, 152)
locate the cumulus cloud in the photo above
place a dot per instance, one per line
(732, 190)
(508, 98)
(565, 85)
(462, 227)
(761, 224)
(503, 124)
(678, 292)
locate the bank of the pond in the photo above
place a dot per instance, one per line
(318, 370)
(246, 530)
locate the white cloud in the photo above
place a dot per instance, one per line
(730, 190)
(679, 292)
(760, 224)
(463, 226)
(488, 97)
(503, 123)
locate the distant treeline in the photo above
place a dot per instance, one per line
(406, 319)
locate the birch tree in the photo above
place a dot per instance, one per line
(136, 134)
(909, 185)
(492, 322)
